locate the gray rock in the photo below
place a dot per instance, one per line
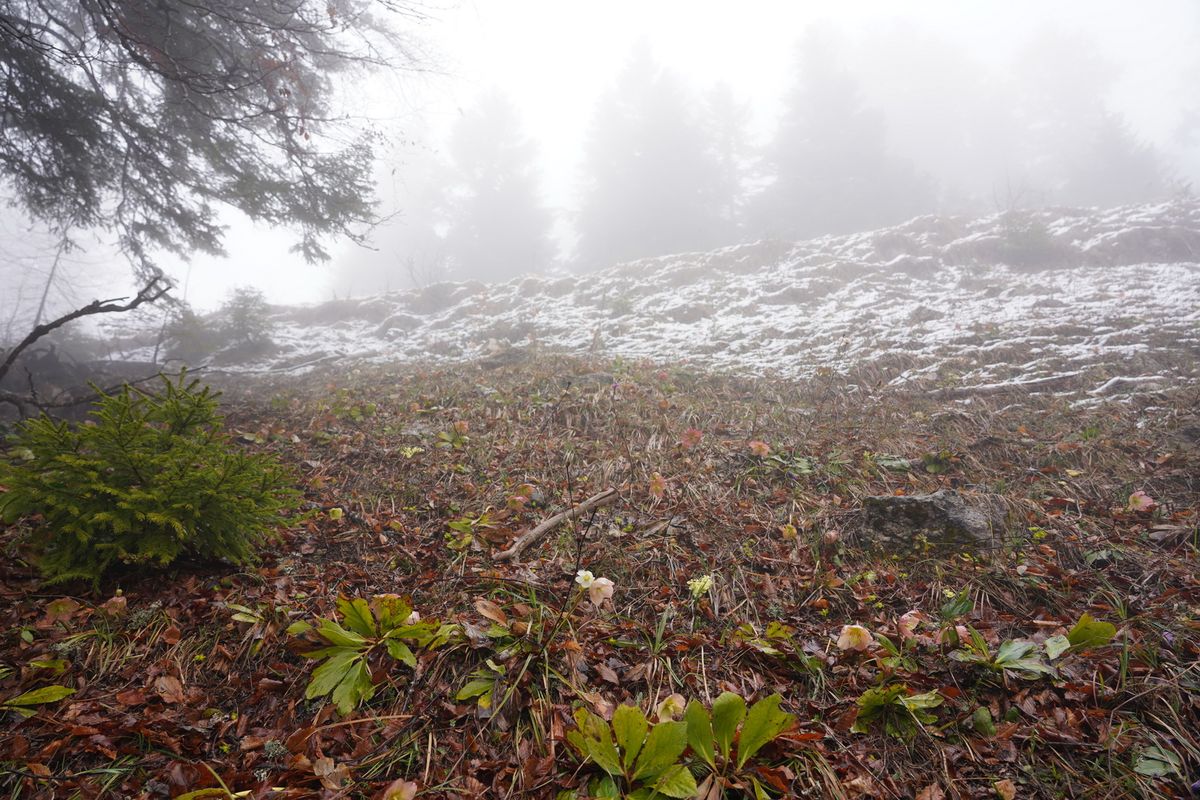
(924, 314)
(397, 324)
(944, 520)
(689, 312)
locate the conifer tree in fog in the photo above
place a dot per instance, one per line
(652, 184)
(727, 118)
(498, 227)
(146, 119)
(408, 249)
(1078, 150)
(1113, 167)
(828, 166)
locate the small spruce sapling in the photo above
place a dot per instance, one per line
(149, 479)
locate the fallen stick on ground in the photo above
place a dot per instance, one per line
(524, 540)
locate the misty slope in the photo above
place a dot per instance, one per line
(1095, 301)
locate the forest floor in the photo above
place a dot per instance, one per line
(189, 681)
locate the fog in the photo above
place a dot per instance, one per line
(687, 126)
(544, 136)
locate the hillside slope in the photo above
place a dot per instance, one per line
(1100, 302)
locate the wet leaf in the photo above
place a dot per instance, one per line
(489, 610)
(1088, 633)
(38, 697)
(1157, 762)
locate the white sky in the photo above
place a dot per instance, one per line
(554, 57)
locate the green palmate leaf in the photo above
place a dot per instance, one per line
(298, 628)
(664, 745)
(700, 732)
(475, 688)
(1090, 633)
(327, 676)
(604, 753)
(763, 723)
(335, 634)
(918, 705)
(977, 640)
(38, 697)
(326, 652)
(1020, 656)
(887, 644)
(862, 723)
(968, 657)
(1056, 646)
(576, 740)
(589, 725)
(244, 614)
(391, 610)
(604, 788)
(676, 781)
(925, 700)
(899, 712)
(1013, 650)
(355, 688)
(440, 635)
(983, 723)
(872, 703)
(345, 674)
(1156, 762)
(401, 652)
(630, 727)
(595, 741)
(1032, 667)
(357, 616)
(895, 463)
(727, 712)
(424, 634)
(485, 701)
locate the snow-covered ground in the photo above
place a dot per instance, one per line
(1096, 303)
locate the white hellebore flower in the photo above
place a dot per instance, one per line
(908, 624)
(600, 590)
(671, 707)
(855, 637)
(585, 579)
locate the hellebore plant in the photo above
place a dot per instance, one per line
(598, 589)
(855, 637)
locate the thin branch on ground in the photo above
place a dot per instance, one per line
(526, 539)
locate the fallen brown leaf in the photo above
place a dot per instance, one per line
(169, 689)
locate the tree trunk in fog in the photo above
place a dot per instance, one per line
(63, 244)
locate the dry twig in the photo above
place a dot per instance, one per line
(524, 540)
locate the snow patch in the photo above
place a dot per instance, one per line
(1103, 302)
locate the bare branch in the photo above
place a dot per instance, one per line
(153, 290)
(524, 540)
